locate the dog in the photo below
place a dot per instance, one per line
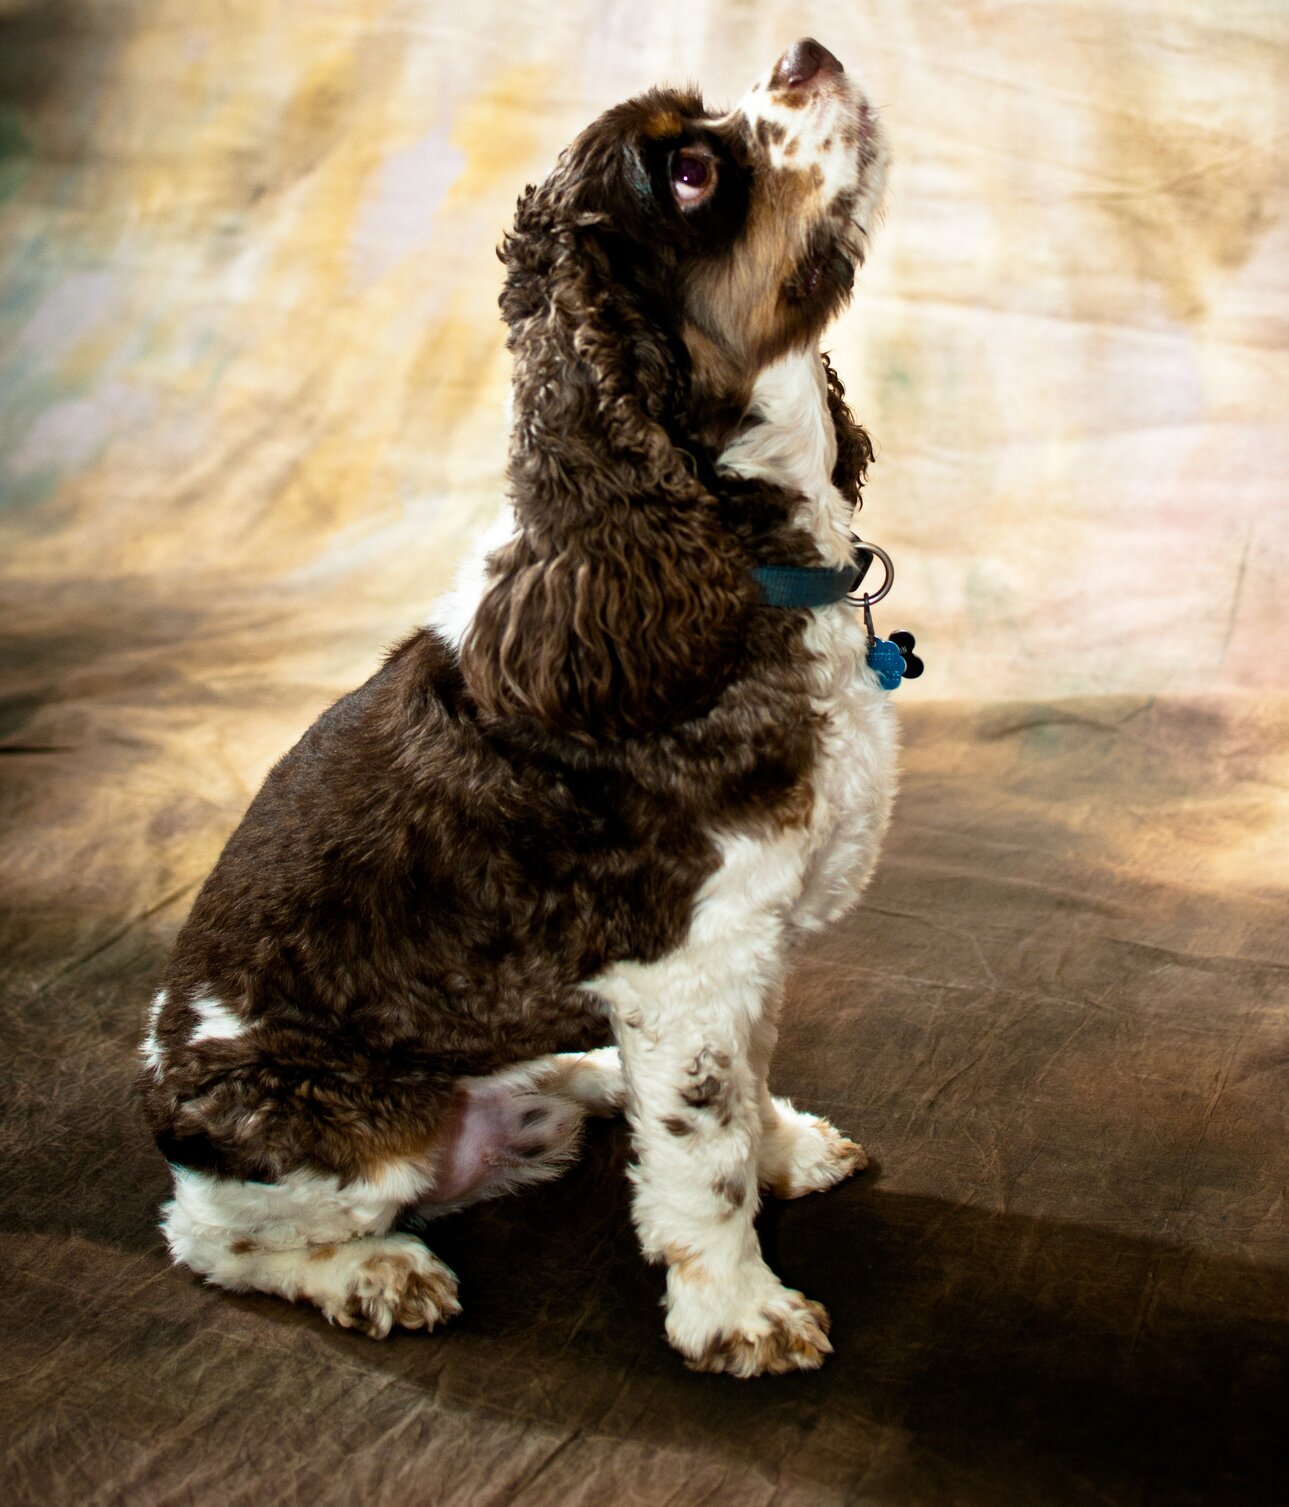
(599, 800)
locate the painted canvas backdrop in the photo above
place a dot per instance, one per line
(251, 385)
(248, 330)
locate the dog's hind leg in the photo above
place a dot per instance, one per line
(312, 1238)
(519, 1126)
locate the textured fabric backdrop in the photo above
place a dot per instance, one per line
(251, 391)
(248, 323)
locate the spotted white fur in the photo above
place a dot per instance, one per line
(822, 128)
(714, 1000)
(309, 1237)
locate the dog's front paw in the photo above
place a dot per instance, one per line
(768, 1330)
(788, 1333)
(801, 1153)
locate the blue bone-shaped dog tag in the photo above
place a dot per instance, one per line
(893, 660)
(885, 659)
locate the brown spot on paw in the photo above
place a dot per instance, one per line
(391, 1288)
(677, 1125)
(797, 1340)
(321, 1253)
(850, 1152)
(429, 1298)
(837, 1158)
(244, 1247)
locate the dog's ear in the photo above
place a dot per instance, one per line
(617, 609)
(854, 448)
(618, 634)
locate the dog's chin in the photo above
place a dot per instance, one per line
(869, 198)
(822, 280)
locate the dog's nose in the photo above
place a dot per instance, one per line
(804, 60)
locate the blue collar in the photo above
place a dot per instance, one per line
(812, 585)
(891, 660)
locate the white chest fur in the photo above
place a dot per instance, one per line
(854, 776)
(853, 780)
(697, 1027)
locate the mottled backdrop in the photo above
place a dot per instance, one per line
(248, 324)
(251, 393)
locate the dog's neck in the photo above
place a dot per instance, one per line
(788, 439)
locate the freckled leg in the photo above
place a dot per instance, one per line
(313, 1238)
(373, 1284)
(694, 1106)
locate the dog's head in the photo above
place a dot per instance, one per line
(671, 255)
(737, 234)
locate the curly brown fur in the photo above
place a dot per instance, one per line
(427, 876)
(417, 892)
(854, 448)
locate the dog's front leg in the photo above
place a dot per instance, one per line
(695, 1109)
(686, 1027)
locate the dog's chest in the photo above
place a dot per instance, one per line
(853, 776)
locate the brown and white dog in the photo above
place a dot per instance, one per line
(600, 799)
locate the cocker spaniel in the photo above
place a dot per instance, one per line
(600, 799)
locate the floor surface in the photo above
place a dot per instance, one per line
(1059, 1024)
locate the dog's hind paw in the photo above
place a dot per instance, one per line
(390, 1282)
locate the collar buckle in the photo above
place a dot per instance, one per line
(864, 554)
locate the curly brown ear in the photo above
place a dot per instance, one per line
(854, 448)
(617, 609)
(611, 637)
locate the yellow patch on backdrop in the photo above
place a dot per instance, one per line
(496, 132)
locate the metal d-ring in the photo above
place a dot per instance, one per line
(868, 598)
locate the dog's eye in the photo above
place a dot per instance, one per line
(693, 178)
